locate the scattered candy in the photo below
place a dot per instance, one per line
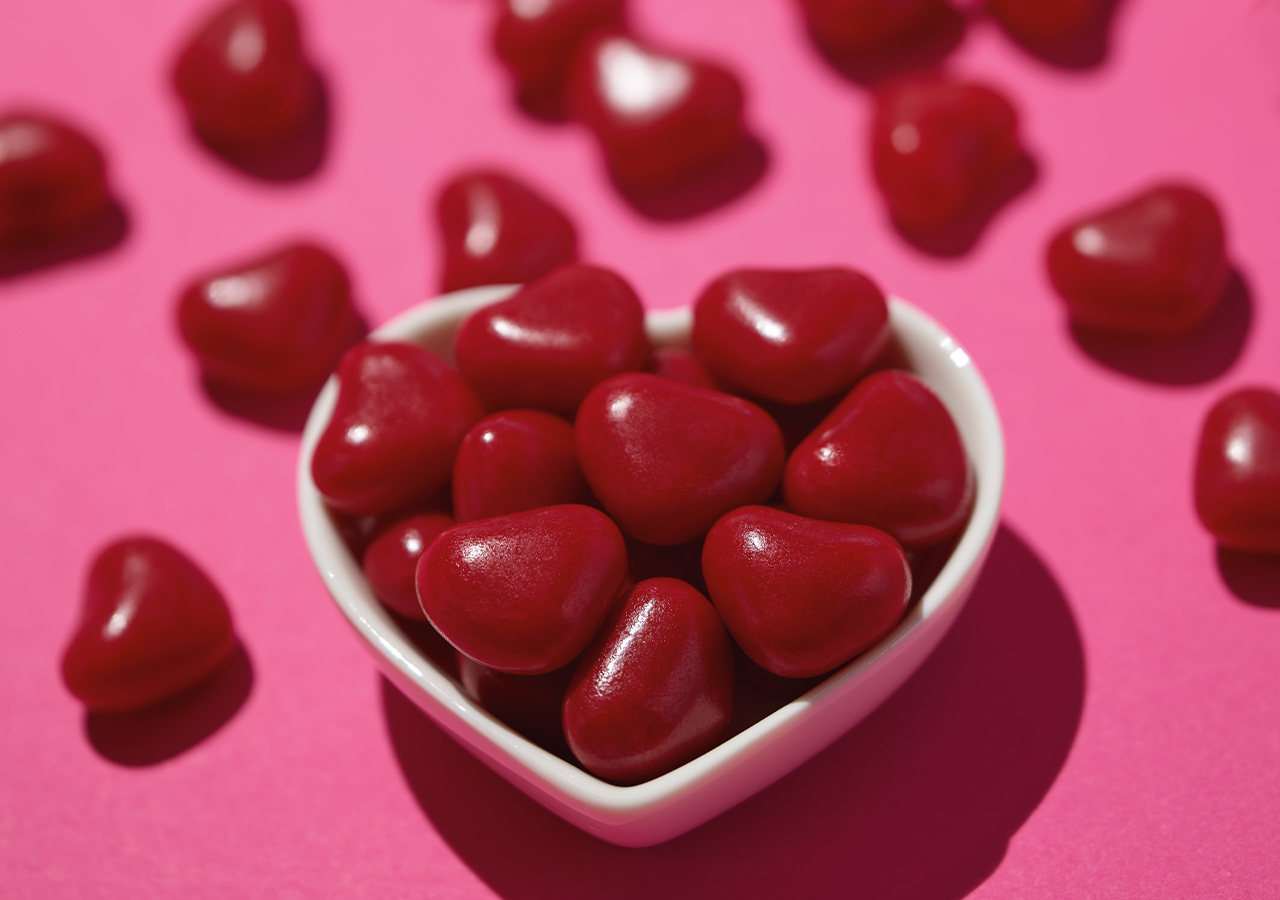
(52, 179)
(1152, 265)
(152, 626)
(1237, 474)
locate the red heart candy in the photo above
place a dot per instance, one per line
(801, 596)
(863, 27)
(655, 689)
(523, 593)
(1237, 475)
(152, 625)
(399, 418)
(667, 459)
(243, 75)
(529, 704)
(516, 460)
(498, 230)
(536, 40)
(1046, 23)
(52, 179)
(390, 562)
(1154, 264)
(659, 118)
(554, 340)
(276, 323)
(791, 336)
(938, 144)
(680, 364)
(888, 456)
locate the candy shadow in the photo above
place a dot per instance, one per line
(959, 236)
(708, 189)
(104, 233)
(1087, 50)
(920, 800)
(1195, 358)
(161, 732)
(298, 156)
(924, 50)
(1252, 577)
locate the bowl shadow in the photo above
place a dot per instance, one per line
(171, 728)
(920, 800)
(295, 158)
(1195, 358)
(106, 232)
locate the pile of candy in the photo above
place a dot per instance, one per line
(520, 502)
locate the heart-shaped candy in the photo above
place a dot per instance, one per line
(667, 459)
(801, 596)
(273, 324)
(938, 144)
(659, 118)
(1237, 476)
(888, 456)
(152, 625)
(1045, 24)
(498, 230)
(656, 687)
(536, 40)
(390, 563)
(850, 28)
(515, 460)
(554, 340)
(399, 418)
(793, 336)
(243, 75)
(52, 179)
(528, 703)
(1153, 264)
(523, 593)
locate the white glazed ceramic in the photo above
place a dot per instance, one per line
(667, 806)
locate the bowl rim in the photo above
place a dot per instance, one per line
(616, 812)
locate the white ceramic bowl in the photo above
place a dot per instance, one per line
(667, 806)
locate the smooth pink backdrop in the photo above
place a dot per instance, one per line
(1103, 722)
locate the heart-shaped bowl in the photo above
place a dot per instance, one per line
(664, 807)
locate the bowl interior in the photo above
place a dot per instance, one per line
(666, 806)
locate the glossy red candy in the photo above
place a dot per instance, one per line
(865, 27)
(390, 562)
(1046, 23)
(801, 596)
(536, 40)
(793, 336)
(498, 230)
(939, 143)
(515, 460)
(667, 459)
(399, 418)
(1154, 264)
(554, 340)
(152, 625)
(655, 690)
(523, 593)
(680, 364)
(660, 118)
(244, 77)
(275, 323)
(888, 456)
(1237, 476)
(529, 704)
(52, 179)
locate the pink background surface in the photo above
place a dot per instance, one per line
(1103, 721)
